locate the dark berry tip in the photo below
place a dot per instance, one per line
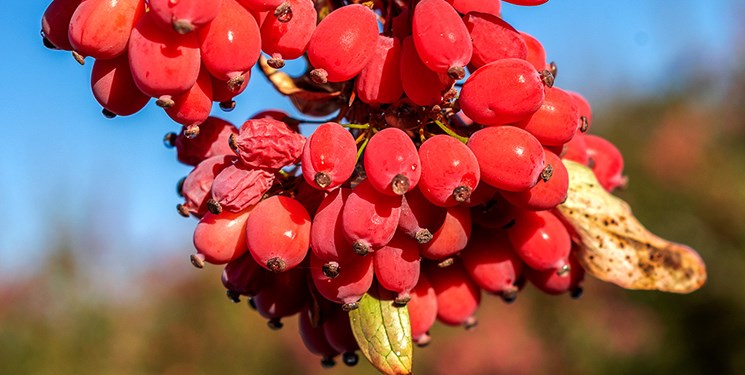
(108, 114)
(331, 269)
(423, 236)
(577, 292)
(328, 362)
(456, 72)
(350, 306)
(233, 296)
(400, 184)
(462, 193)
(275, 324)
(214, 206)
(319, 76)
(547, 78)
(227, 106)
(547, 173)
(276, 265)
(350, 359)
(360, 248)
(197, 260)
(322, 179)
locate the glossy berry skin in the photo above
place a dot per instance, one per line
(502, 92)
(184, 16)
(492, 264)
(492, 7)
(114, 89)
(197, 186)
(101, 28)
(370, 218)
(212, 140)
(540, 239)
(220, 239)
(555, 123)
(558, 282)
(526, 2)
(583, 106)
(223, 91)
(341, 48)
(278, 233)
(315, 339)
(261, 5)
(606, 162)
(419, 217)
(55, 23)
(493, 39)
(353, 281)
(536, 53)
(194, 106)
(396, 266)
(451, 237)
(329, 156)
(163, 63)
(379, 82)
(457, 296)
(231, 43)
(576, 149)
(338, 331)
(289, 39)
(450, 171)
(243, 276)
(509, 158)
(441, 39)
(327, 239)
(545, 195)
(392, 162)
(422, 310)
(282, 295)
(423, 86)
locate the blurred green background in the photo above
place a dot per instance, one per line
(87, 304)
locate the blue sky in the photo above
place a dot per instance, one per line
(112, 183)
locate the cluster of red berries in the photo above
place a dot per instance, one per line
(433, 182)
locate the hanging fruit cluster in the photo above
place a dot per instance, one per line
(451, 166)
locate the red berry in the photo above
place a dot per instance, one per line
(540, 240)
(192, 107)
(502, 92)
(492, 7)
(212, 140)
(526, 2)
(197, 186)
(419, 217)
(510, 158)
(396, 266)
(492, 264)
(546, 194)
(268, 144)
(338, 331)
(555, 123)
(457, 296)
(184, 16)
(450, 171)
(606, 161)
(391, 162)
(55, 23)
(243, 276)
(329, 156)
(349, 285)
(370, 218)
(114, 89)
(288, 39)
(422, 310)
(451, 237)
(220, 239)
(278, 233)
(237, 187)
(423, 86)
(559, 281)
(343, 43)
(327, 239)
(496, 213)
(223, 91)
(101, 28)
(441, 39)
(380, 81)
(536, 53)
(493, 39)
(576, 149)
(314, 338)
(585, 111)
(282, 295)
(261, 5)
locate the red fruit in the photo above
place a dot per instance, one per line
(261, 5)
(559, 281)
(329, 156)
(423, 86)
(278, 233)
(315, 339)
(585, 111)
(230, 44)
(492, 7)
(223, 92)
(391, 162)
(576, 149)
(606, 161)
(101, 28)
(450, 171)
(441, 39)
(546, 194)
(220, 239)
(114, 89)
(402, 24)
(237, 187)
(327, 239)
(496, 213)
(184, 16)
(282, 295)
(510, 158)
(243, 277)
(268, 144)
(493, 39)
(492, 264)
(288, 39)
(309, 197)
(555, 123)
(343, 43)
(212, 140)
(419, 217)
(457, 296)
(163, 63)
(502, 92)
(527, 2)
(422, 310)
(482, 194)
(370, 218)
(536, 53)
(197, 186)
(451, 237)
(338, 331)
(396, 266)
(540, 240)
(380, 81)
(192, 107)
(55, 23)
(348, 286)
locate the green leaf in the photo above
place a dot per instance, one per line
(383, 332)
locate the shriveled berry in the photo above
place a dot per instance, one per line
(197, 187)
(211, 141)
(267, 143)
(237, 187)
(380, 81)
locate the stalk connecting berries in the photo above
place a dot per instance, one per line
(432, 189)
